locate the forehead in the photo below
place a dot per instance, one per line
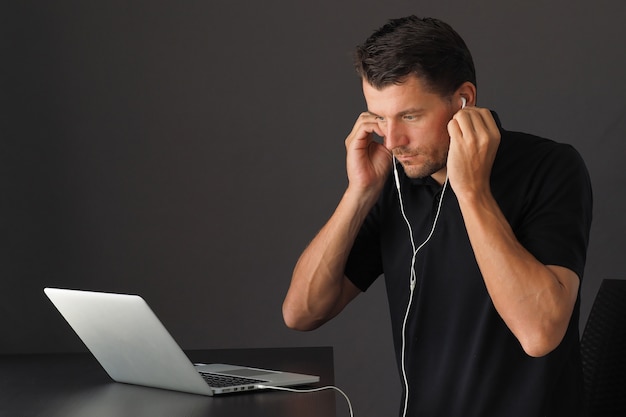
(398, 98)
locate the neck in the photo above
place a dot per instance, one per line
(440, 176)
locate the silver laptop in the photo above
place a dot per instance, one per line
(134, 347)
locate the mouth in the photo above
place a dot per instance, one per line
(405, 158)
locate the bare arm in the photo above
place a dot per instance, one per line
(535, 300)
(319, 290)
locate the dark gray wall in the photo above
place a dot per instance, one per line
(188, 151)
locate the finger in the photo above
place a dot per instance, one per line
(465, 122)
(454, 130)
(488, 120)
(475, 120)
(373, 119)
(365, 132)
(364, 128)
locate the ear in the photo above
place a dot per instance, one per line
(468, 91)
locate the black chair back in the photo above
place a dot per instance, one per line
(603, 350)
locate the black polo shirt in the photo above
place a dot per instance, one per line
(461, 358)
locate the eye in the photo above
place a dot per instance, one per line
(380, 120)
(409, 117)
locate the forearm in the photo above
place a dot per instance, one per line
(319, 289)
(534, 300)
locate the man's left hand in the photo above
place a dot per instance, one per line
(474, 141)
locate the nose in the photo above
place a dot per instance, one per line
(395, 135)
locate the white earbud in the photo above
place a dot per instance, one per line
(464, 102)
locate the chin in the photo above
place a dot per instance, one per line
(419, 171)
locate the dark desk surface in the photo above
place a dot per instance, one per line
(74, 385)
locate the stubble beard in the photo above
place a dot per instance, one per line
(427, 168)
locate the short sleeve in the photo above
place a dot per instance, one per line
(558, 210)
(364, 263)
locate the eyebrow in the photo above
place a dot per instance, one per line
(401, 113)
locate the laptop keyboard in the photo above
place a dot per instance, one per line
(220, 381)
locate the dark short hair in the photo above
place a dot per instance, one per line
(425, 47)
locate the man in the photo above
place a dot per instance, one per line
(482, 237)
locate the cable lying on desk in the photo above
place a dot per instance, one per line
(312, 390)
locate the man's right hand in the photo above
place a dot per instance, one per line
(368, 162)
(319, 289)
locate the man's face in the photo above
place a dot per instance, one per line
(414, 122)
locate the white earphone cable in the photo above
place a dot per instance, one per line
(413, 275)
(312, 390)
(413, 278)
